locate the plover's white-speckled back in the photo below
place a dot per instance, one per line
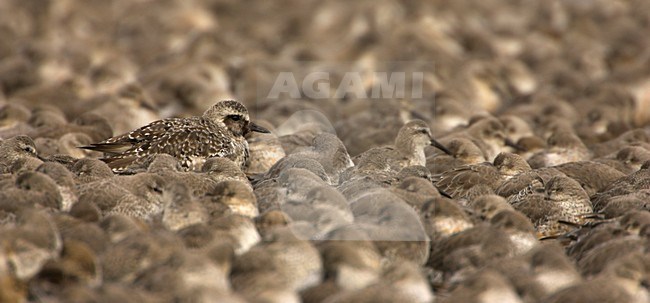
(219, 132)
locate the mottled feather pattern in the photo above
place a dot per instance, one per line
(186, 139)
(458, 181)
(219, 133)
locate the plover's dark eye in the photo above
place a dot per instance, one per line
(157, 189)
(235, 117)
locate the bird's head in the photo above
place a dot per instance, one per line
(234, 116)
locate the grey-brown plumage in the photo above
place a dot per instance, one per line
(442, 218)
(270, 198)
(628, 159)
(634, 221)
(485, 286)
(475, 192)
(543, 271)
(190, 275)
(129, 258)
(415, 191)
(509, 234)
(487, 133)
(518, 228)
(86, 211)
(270, 220)
(299, 129)
(138, 195)
(29, 243)
(77, 263)
(46, 117)
(527, 182)
(459, 181)
(351, 264)
(487, 206)
(590, 236)
(323, 209)
(67, 144)
(127, 108)
(463, 152)
(400, 282)
(180, 208)
(93, 125)
(17, 149)
(637, 181)
(119, 227)
(552, 270)
(13, 120)
(87, 232)
(296, 160)
(219, 132)
(237, 196)
(626, 138)
(144, 199)
(408, 149)
(221, 169)
(240, 229)
(213, 171)
(330, 152)
(298, 182)
(417, 171)
(285, 262)
(515, 127)
(530, 145)
(64, 180)
(622, 281)
(48, 146)
(200, 236)
(90, 170)
(596, 259)
(392, 224)
(562, 146)
(265, 150)
(592, 176)
(67, 160)
(33, 189)
(564, 200)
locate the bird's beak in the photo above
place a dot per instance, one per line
(256, 128)
(39, 157)
(417, 115)
(444, 194)
(440, 146)
(514, 145)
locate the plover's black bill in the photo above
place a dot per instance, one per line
(440, 147)
(257, 128)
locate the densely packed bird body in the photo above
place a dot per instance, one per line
(218, 133)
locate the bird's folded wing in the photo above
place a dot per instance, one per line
(115, 148)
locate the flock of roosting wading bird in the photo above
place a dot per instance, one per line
(147, 156)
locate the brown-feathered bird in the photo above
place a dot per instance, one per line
(219, 132)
